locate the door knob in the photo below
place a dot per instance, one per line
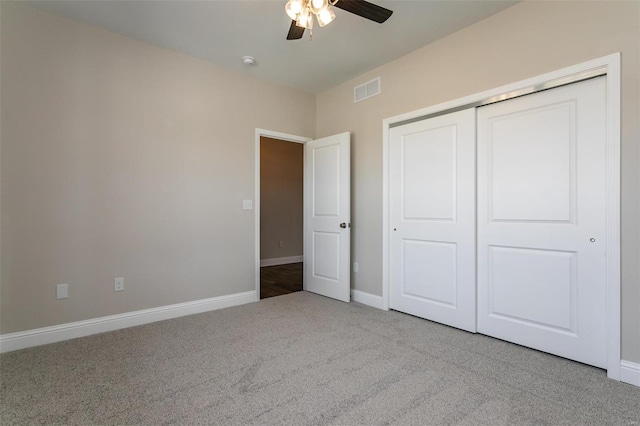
(344, 225)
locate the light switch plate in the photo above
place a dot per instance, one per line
(62, 291)
(247, 204)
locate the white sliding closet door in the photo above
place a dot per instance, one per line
(541, 221)
(432, 217)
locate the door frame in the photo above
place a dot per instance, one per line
(284, 137)
(607, 65)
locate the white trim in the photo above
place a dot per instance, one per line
(613, 273)
(72, 330)
(630, 372)
(611, 65)
(281, 261)
(385, 213)
(367, 299)
(274, 135)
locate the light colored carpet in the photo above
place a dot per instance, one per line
(303, 359)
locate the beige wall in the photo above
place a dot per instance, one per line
(523, 41)
(281, 186)
(119, 158)
(124, 159)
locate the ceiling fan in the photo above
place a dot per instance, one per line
(302, 12)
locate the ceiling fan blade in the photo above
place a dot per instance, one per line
(295, 32)
(365, 9)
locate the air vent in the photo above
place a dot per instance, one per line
(366, 90)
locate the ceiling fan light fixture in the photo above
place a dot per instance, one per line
(317, 6)
(305, 19)
(326, 16)
(293, 8)
(302, 13)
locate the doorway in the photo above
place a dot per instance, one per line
(326, 213)
(281, 217)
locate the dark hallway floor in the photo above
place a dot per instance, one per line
(281, 279)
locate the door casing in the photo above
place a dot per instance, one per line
(256, 204)
(607, 65)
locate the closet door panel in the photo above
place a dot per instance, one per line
(432, 216)
(541, 221)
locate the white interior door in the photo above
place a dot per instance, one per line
(327, 205)
(541, 221)
(432, 218)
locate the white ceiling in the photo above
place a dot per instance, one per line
(222, 32)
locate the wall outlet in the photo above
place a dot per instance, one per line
(62, 291)
(247, 204)
(355, 266)
(281, 244)
(118, 284)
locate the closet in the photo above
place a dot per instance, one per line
(497, 220)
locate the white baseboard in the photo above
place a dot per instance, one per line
(630, 372)
(367, 299)
(57, 333)
(280, 261)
